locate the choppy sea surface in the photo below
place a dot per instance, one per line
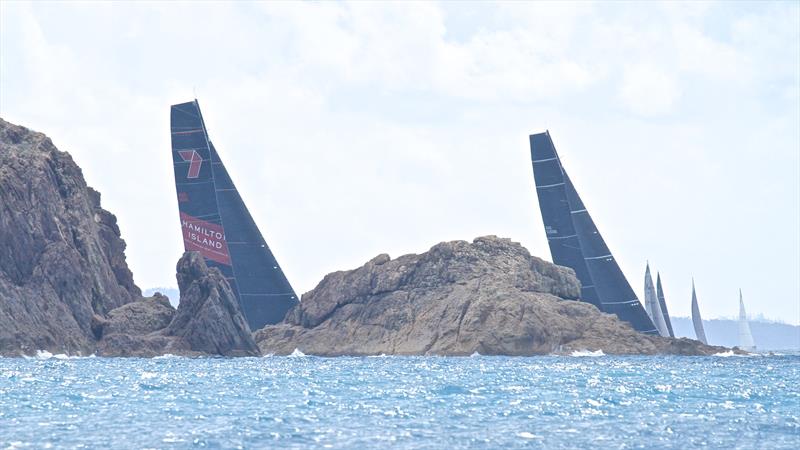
(401, 402)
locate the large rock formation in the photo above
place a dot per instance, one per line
(62, 260)
(489, 296)
(64, 284)
(209, 318)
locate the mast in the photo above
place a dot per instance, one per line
(697, 321)
(217, 224)
(745, 336)
(575, 241)
(663, 303)
(652, 305)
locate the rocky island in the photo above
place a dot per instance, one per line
(65, 287)
(489, 296)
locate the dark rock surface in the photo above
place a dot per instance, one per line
(209, 318)
(489, 296)
(62, 259)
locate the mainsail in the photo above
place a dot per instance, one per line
(216, 222)
(575, 241)
(745, 336)
(663, 302)
(651, 304)
(697, 321)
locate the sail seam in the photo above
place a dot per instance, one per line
(599, 257)
(550, 185)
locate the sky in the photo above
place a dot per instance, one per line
(354, 129)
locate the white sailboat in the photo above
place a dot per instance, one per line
(745, 336)
(651, 304)
(697, 320)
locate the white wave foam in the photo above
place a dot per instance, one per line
(527, 435)
(44, 354)
(588, 353)
(297, 354)
(475, 354)
(166, 356)
(730, 353)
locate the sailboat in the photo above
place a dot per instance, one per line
(663, 302)
(216, 223)
(697, 321)
(651, 304)
(575, 241)
(745, 336)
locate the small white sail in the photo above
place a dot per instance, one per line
(697, 320)
(745, 336)
(652, 306)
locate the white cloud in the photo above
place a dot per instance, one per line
(354, 129)
(647, 90)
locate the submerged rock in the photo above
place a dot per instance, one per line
(489, 296)
(62, 259)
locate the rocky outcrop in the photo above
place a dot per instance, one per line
(209, 318)
(489, 296)
(62, 259)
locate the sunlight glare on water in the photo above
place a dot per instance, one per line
(402, 402)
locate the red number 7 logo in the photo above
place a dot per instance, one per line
(195, 161)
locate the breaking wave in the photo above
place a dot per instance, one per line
(588, 353)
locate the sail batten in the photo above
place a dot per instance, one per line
(575, 242)
(217, 224)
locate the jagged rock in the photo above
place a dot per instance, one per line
(490, 297)
(62, 260)
(138, 318)
(209, 318)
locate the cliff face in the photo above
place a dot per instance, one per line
(489, 296)
(62, 259)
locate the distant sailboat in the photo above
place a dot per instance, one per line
(663, 302)
(697, 321)
(651, 304)
(745, 336)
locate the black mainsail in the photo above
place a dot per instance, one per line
(216, 222)
(575, 241)
(663, 302)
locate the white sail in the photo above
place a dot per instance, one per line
(651, 304)
(745, 336)
(697, 321)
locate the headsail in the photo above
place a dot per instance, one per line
(697, 321)
(663, 302)
(652, 305)
(216, 222)
(575, 241)
(745, 336)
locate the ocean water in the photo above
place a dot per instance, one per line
(401, 402)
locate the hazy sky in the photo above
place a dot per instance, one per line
(358, 129)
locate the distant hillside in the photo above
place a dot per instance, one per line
(172, 293)
(767, 335)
